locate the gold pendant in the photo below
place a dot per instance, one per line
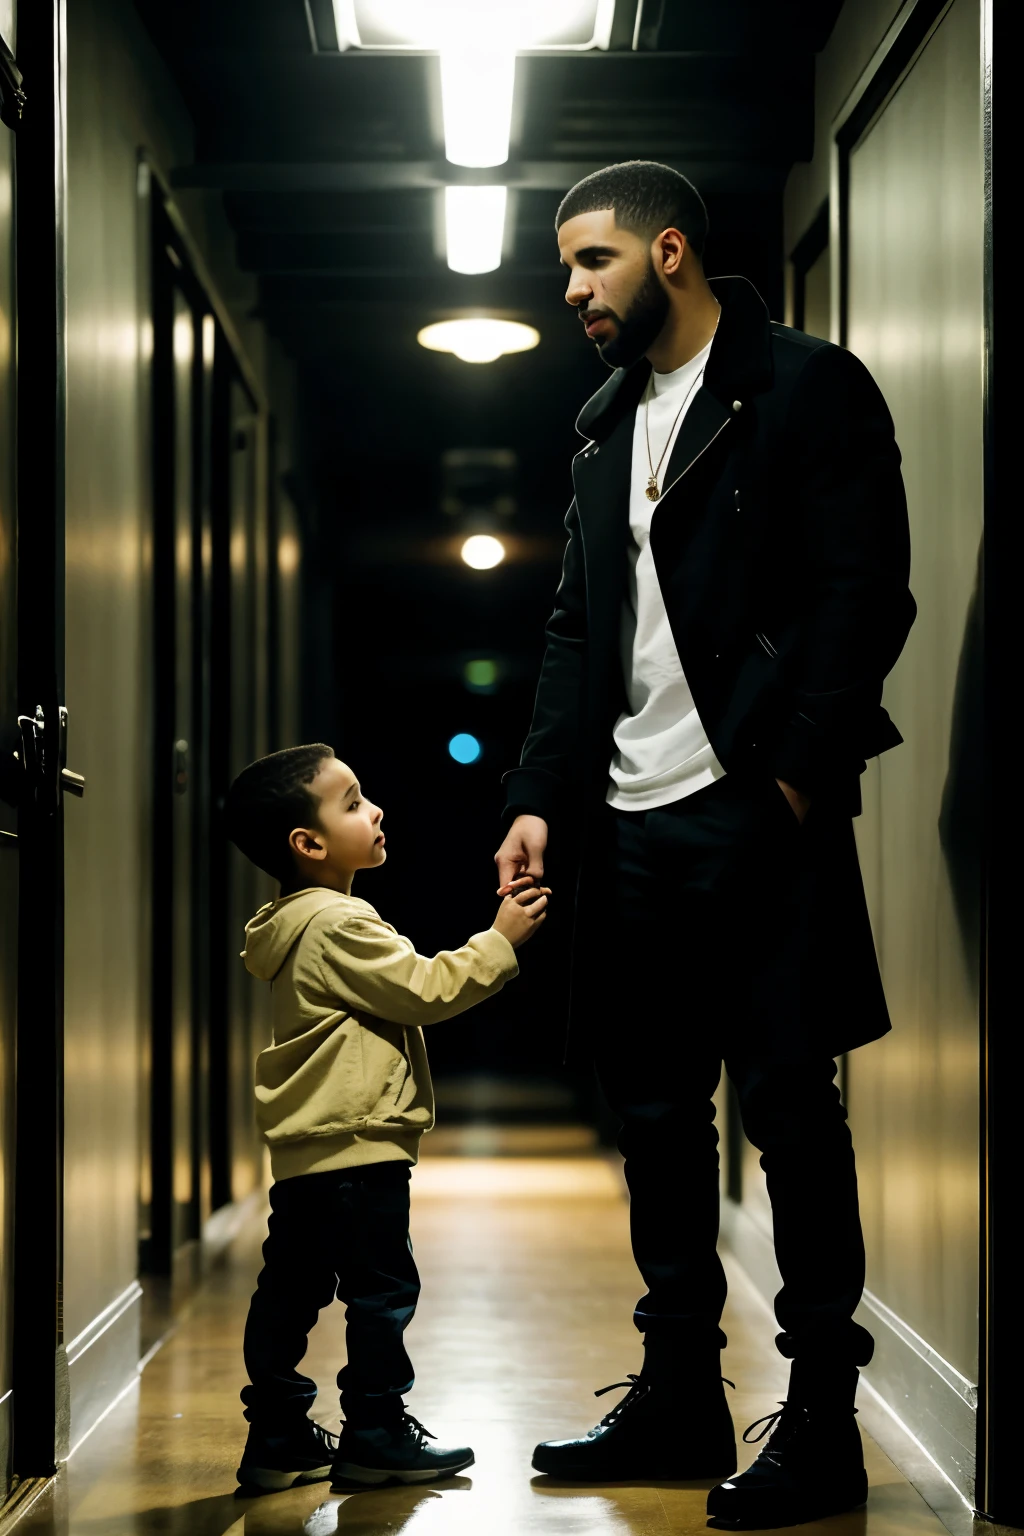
(652, 489)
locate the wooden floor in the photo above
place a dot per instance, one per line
(528, 1287)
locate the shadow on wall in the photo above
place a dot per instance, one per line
(961, 816)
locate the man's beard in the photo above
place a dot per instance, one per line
(639, 326)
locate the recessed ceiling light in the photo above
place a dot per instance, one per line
(478, 339)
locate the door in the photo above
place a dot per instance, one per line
(172, 1165)
(248, 888)
(184, 1216)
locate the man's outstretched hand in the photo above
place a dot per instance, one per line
(522, 852)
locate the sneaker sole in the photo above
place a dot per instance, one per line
(349, 1475)
(267, 1480)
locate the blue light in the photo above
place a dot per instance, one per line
(464, 748)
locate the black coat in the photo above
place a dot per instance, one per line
(782, 549)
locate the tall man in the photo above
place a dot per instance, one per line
(733, 594)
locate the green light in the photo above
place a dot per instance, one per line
(481, 675)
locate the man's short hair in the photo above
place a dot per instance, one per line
(646, 198)
(269, 799)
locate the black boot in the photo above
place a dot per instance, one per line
(812, 1466)
(672, 1425)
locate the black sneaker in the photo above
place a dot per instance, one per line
(273, 1462)
(812, 1467)
(649, 1436)
(396, 1454)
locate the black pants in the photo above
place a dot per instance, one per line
(344, 1234)
(702, 962)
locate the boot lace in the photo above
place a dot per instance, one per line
(638, 1390)
(786, 1422)
(782, 1425)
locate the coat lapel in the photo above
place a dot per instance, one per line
(739, 367)
(601, 478)
(701, 425)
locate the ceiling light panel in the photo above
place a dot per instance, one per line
(472, 24)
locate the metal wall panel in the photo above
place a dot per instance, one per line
(906, 195)
(818, 296)
(915, 317)
(122, 101)
(108, 669)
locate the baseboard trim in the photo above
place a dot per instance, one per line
(22, 1496)
(918, 1407)
(103, 1361)
(920, 1347)
(6, 1467)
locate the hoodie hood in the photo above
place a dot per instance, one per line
(270, 935)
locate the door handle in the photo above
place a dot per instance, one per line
(42, 754)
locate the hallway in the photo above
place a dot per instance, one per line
(528, 1288)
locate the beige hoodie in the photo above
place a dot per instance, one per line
(346, 1079)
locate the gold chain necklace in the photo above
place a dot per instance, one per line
(653, 492)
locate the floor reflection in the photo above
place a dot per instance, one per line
(527, 1299)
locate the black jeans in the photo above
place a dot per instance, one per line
(344, 1234)
(704, 898)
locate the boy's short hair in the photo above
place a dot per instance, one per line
(269, 799)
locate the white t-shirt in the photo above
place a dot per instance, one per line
(662, 752)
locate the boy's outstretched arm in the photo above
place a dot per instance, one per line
(375, 970)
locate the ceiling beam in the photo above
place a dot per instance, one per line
(408, 175)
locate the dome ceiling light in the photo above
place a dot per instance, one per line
(482, 551)
(478, 339)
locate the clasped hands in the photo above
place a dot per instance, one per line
(520, 859)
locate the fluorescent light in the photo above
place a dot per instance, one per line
(474, 222)
(477, 41)
(478, 339)
(476, 102)
(571, 24)
(483, 551)
(346, 25)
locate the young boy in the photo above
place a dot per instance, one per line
(343, 1095)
